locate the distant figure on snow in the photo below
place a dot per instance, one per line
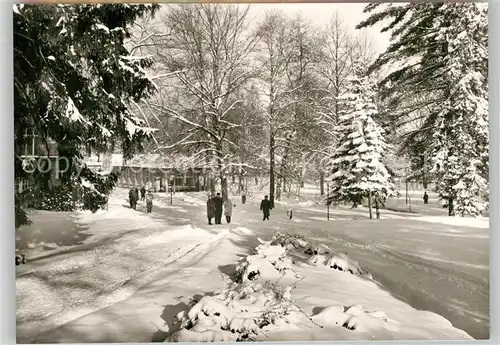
(218, 208)
(149, 201)
(210, 209)
(143, 192)
(132, 199)
(265, 207)
(426, 198)
(228, 210)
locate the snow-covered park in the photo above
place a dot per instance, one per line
(122, 275)
(363, 126)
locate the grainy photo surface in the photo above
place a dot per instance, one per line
(230, 172)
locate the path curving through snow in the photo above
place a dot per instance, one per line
(130, 272)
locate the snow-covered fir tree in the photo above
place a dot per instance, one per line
(73, 80)
(357, 165)
(460, 144)
(440, 55)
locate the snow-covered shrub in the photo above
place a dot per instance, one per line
(270, 260)
(289, 240)
(237, 313)
(20, 259)
(252, 302)
(318, 250)
(339, 262)
(58, 198)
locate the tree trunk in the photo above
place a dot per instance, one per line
(240, 182)
(282, 174)
(222, 172)
(425, 181)
(450, 207)
(370, 204)
(322, 183)
(271, 170)
(377, 210)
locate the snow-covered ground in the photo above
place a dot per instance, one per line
(122, 275)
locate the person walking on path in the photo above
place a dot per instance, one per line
(228, 210)
(131, 198)
(265, 207)
(149, 201)
(210, 209)
(426, 198)
(143, 192)
(218, 208)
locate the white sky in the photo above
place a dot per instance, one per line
(320, 14)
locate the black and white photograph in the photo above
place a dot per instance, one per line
(244, 172)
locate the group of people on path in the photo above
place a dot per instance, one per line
(133, 196)
(216, 204)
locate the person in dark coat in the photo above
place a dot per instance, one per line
(132, 198)
(143, 193)
(265, 207)
(218, 208)
(426, 198)
(210, 209)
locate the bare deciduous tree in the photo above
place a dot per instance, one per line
(205, 60)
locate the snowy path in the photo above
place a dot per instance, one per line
(133, 268)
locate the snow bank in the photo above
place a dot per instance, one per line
(479, 222)
(121, 249)
(274, 298)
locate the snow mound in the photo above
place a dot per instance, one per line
(267, 301)
(354, 318)
(339, 262)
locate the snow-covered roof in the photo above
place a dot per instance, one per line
(95, 161)
(156, 160)
(146, 160)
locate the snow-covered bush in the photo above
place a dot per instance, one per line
(289, 240)
(259, 301)
(270, 260)
(59, 198)
(237, 313)
(252, 302)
